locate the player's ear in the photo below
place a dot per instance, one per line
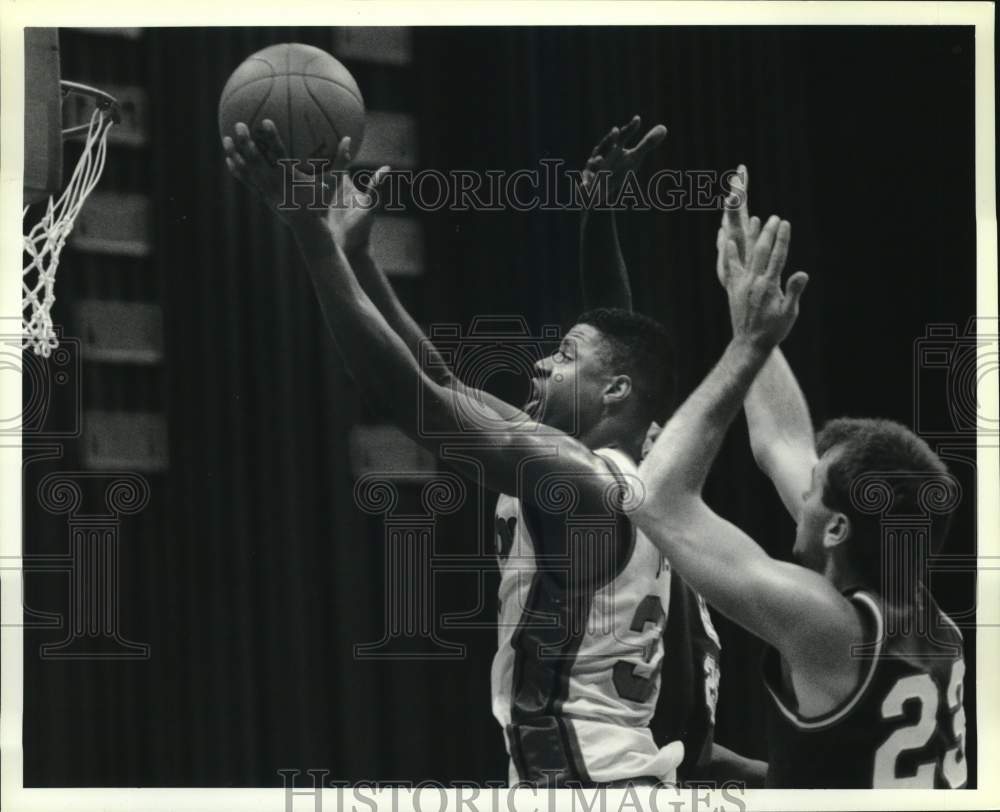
(837, 530)
(617, 390)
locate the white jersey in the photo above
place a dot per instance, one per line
(577, 672)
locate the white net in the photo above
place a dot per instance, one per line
(45, 241)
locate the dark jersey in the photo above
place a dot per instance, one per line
(903, 726)
(690, 686)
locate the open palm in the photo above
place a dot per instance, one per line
(762, 313)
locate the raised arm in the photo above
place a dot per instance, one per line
(515, 456)
(793, 608)
(781, 430)
(350, 220)
(604, 278)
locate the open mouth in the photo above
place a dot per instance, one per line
(535, 396)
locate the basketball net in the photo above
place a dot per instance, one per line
(45, 241)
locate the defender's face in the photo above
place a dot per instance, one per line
(814, 518)
(566, 392)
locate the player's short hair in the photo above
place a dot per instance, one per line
(639, 347)
(872, 446)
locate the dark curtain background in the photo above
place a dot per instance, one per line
(252, 574)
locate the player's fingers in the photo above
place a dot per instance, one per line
(630, 129)
(793, 291)
(741, 183)
(374, 183)
(380, 175)
(232, 154)
(234, 170)
(754, 228)
(649, 141)
(731, 223)
(270, 140)
(731, 212)
(228, 146)
(602, 145)
(721, 263)
(776, 262)
(244, 143)
(594, 166)
(742, 179)
(343, 158)
(733, 264)
(611, 140)
(762, 249)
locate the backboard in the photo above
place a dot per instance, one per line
(43, 147)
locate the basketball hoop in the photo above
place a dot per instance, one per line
(44, 242)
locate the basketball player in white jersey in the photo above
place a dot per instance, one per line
(583, 597)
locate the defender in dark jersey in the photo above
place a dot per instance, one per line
(865, 672)
(902, 727)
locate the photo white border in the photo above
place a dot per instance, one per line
(16, 14)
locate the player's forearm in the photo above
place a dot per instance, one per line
(781, 433)
(377, 358)
(378, 288)
(603, 274)
(681, 457)
(777, 412)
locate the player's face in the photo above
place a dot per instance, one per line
(814, 518)
(566, 392)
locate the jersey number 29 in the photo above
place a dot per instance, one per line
(922, 688)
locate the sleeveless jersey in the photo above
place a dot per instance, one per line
(689, 689)
(577, 670)
(904, 725)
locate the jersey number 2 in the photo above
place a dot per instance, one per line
(922, 688)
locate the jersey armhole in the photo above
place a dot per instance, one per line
(626, 530)
(774, 683)
(545, 528)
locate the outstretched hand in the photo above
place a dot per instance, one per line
(762, 313)
(611, 160)
(261, 163)
(348, 211)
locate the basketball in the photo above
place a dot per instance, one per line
(311, 97)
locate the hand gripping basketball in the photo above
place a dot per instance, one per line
(262, 163)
